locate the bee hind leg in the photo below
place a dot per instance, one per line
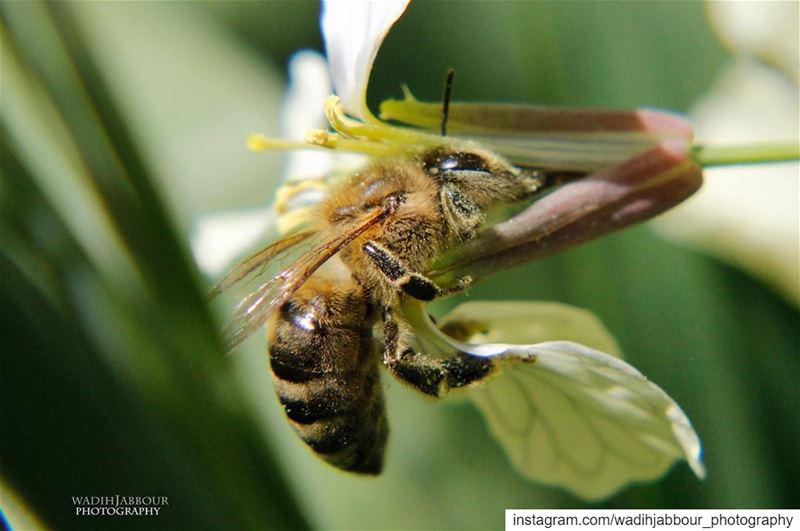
(432, 376)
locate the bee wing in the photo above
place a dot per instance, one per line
(557, 138)
(566, 139)
(254, 309)
(572, 416)
(256, 264)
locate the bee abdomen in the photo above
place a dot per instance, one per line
(352, 442)
(303, 412)
(326, 375)
(284, 369)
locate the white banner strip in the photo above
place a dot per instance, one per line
(645, 519)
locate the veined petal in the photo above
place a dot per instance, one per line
(353, 31)
(527, 322)
(566, 414)
(575, 417)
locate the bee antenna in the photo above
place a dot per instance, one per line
(448, 91)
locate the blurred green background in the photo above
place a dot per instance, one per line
(122, 122)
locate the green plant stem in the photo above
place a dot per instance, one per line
(745, 154)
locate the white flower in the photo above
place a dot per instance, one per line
(353, 32)
(566, 413)
(749, 215)
(569, 412)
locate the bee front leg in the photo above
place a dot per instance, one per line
(460, 212)
(432, 376)
(415, 284)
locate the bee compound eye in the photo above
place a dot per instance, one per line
(459, 161)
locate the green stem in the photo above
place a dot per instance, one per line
(744, 154)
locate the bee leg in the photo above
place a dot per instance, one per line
(417, 285)
(461, 213)
(462, 284)
(431, 376)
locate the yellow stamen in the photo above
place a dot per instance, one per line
(410, 139)
(258, 142)
(295, 219)
(291, 189)
(320, 138)
(411, 111)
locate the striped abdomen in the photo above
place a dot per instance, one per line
(326, 374)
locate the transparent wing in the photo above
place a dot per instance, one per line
(250, 268)
(254, 309)
(548, 137)
(572, 416)
(563, 138)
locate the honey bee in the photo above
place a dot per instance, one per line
(373, 239)
(432, 213)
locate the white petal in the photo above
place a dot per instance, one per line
(309, 87)
(528, 322)
(218, 239)
(765, 29)
(353, 31)
(575, 417)
(567, 414)
(748, 215)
